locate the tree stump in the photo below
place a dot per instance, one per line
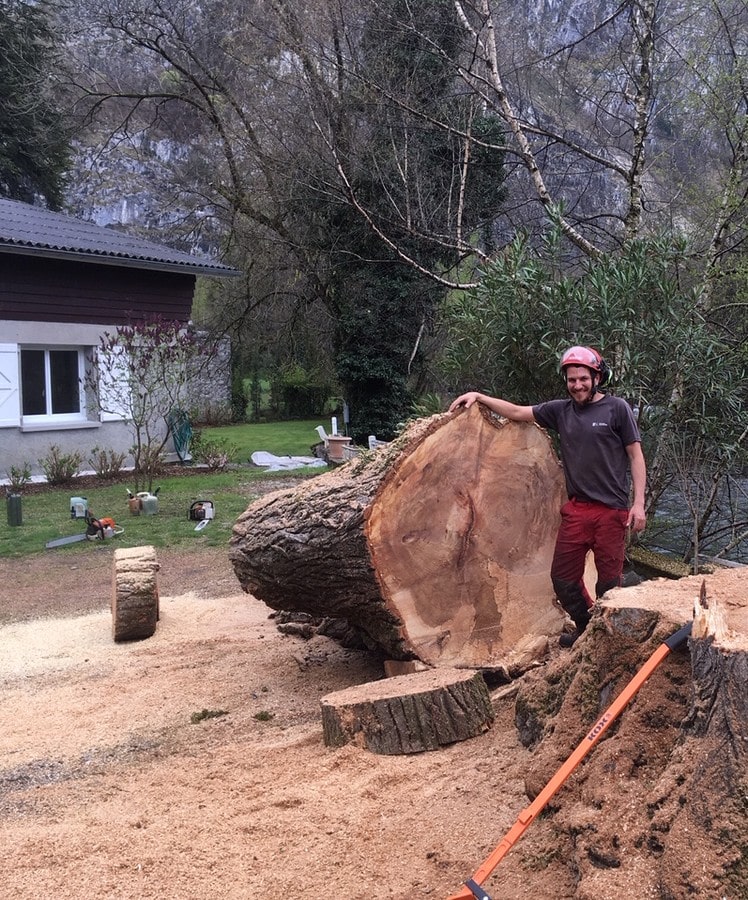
(703, 794)
(437, 546)
(662, 798)
(135, 601)
(408, 713)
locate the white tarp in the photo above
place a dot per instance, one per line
(280, 463)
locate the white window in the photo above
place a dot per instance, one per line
(52, 385)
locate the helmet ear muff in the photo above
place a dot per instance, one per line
(606, 374)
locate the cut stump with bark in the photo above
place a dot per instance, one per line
(408, 713)
(662, 797)
(135, 600)
(437, 546)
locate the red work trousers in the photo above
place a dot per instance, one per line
(587, 526)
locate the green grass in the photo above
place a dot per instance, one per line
(46, 515)
(279, 438)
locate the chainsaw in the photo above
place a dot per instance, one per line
(96, 530)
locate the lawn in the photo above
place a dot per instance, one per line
(46, 514)
(280, 438)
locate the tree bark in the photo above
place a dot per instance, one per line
(704, 791)
(408, 713)
(437, 546)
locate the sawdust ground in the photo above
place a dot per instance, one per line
(108, 788)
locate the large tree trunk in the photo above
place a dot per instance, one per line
(705, 787)
(438, 546)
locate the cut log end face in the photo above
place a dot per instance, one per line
(716, 604)
(439, 550)
(409, 713)
(462, 535)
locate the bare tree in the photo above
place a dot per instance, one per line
(294, 130)
(141, 373)
(600, 120)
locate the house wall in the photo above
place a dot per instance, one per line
(35, 289)
(17, 449)
(50, 303)
(210, 385)
(19, 444)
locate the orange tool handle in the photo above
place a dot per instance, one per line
(526, 817)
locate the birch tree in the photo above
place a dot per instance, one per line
(310, 153)
(614, 127)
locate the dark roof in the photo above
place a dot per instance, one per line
(38, 232)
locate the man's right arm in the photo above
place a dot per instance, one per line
(500, 407)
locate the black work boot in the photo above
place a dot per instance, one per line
(568, 639)
(581, 618)
(575, 605)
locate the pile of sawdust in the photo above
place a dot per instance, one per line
(108, 788)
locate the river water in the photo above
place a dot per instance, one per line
(672, 526)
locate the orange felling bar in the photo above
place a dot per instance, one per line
(526, 817)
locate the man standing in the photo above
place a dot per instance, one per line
(600, 444)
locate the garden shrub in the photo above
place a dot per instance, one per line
(59, 467)
(106, 463)
(215, 453)
(18, 477)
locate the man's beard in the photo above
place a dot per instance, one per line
(587, 398)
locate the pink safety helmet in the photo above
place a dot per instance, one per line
(591, 359)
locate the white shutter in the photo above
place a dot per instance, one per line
(10, 397)
(113, 385)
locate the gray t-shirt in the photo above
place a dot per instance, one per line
(594, 438)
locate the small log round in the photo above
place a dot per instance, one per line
(409, 713)
(135, 602)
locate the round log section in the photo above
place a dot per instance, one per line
(135, 600)
(437, 546)
(408, 713)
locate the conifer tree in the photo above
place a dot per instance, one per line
(34, 148)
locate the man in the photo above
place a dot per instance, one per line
(600, 443)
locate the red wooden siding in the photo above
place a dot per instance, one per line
(37, 289)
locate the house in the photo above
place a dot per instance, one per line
(63, 284)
